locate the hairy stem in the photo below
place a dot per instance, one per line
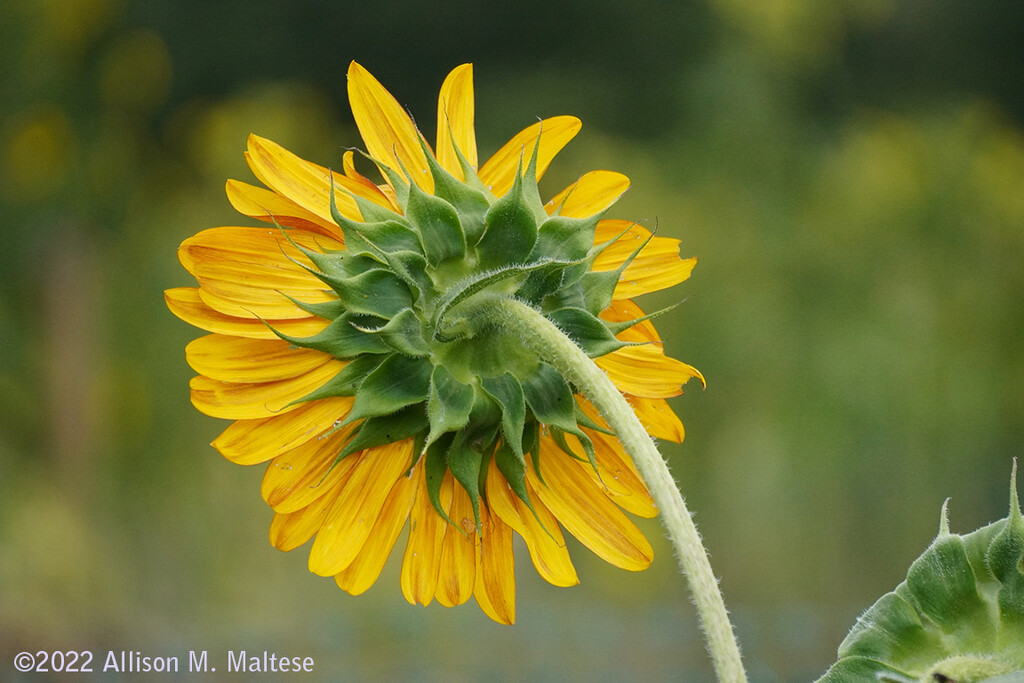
(555, 348)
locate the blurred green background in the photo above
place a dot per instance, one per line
(850, 174)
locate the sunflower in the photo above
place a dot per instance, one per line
(340, 345)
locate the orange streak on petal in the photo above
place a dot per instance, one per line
(455, 114)
(355, 511)
(248, 401)
(500, 170)
(457, 566)
(185, 303)
(387, 130)
(427, 529)
(591, 194)
(366, 568)
(586, 512)
(248, 442)
(495, 587)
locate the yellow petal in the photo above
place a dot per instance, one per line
(356, 509)
(264, 205)
(657, 418)
(646, 371)
(349, 166)
(543, 538)
(455, 113)
(364, 570)
(248, 442)
(427, 529)
(250, 272)
(290, 530)
(585, 511)
(495, 586)
(656, 267)
(232, 401)
(387, 130)
(614, 474)
(295, 479)
(305, 183)
(500, 170)
(617, 475)
(185, 303)
(237, 359)
(457, 565)
(591, 194)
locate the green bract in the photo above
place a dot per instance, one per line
(421, 365)
(959, 616)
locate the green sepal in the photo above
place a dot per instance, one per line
(340, 339)
(510, 230)
(377, 292)
(404, 333)
(469, 202)
(411, 268)
(399, 381)
(564, 238)
(894, 632)
(864, 669)
(471, 449)
(1004, 558)
(354, 242)
(621, 326)
(531, 446)
(549, 397)
(378, 431)
(435, 464)
(397, 182)
(513, 468)
(372, 212)
(565, 297)
(328, 310)
(545, 280)
(449, 405)
(551, 400)
(472, 178)
(944, 587)
(346, 382)
(466, 463)
(599, 286)
(531, 192)
(389, 236)
(438, 224)
(507, 391)
(587, 330)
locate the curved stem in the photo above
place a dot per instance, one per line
(555, 348)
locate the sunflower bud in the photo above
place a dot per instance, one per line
(959, 616)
